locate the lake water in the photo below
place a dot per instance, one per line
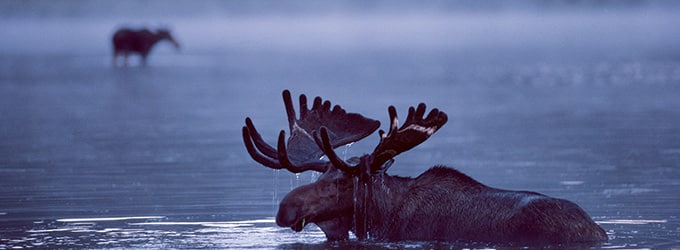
(582, 105)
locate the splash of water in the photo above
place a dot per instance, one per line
(355, 199)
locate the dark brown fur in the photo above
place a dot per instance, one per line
(440, 204)
(127, 41)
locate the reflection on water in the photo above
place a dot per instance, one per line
(158, 232)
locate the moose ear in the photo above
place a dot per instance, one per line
(342, 127)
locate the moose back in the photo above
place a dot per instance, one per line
(441, 204)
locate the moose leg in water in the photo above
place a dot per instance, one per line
(441, 204)
(127, 41)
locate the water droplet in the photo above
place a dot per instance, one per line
(344, 152)
(275, 196)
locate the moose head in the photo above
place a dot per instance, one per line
(330, 201)
(164, 34)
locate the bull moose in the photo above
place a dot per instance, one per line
(128, 41)
(442, 204)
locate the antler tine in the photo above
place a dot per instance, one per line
(290, 111)
(418, 115)
(285, 162)
(303, 107)
(432, 115)
(394, 122)
(259, 142)
(330, 153)
(264, 160)
(317, 102)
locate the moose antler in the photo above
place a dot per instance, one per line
(415, 130)
(302, 152)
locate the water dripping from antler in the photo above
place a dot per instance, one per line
(360, 199)
(347, 148)
(275, 196)
(296, 183)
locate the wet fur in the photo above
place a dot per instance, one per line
(440, 204)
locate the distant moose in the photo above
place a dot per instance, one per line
(442, 204)
(128, 41)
